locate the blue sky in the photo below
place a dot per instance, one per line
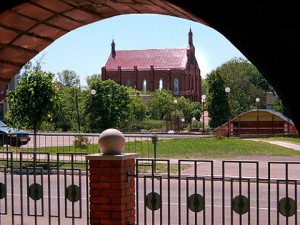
(86, 49)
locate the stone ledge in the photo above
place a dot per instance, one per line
(102, 156)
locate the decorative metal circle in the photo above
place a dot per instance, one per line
(196, 202)
(287, 207)
(240, 204)
(2, 190)
(73, 193)
(35, 191)
(153, 201)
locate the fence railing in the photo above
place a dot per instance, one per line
(143, 144)
(39, 188)
(217, 192)
(75, 143)
(49, 188)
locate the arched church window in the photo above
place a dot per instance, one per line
(127, 83)
(160, 84)
(144, 85)
(176, 87)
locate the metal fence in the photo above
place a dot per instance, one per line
(51, 187)
(77, 143)
(143, 144)
(36, 188)
(227, 192)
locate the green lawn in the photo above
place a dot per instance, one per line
(189, 148)
(219, 148)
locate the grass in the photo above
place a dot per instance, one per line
(189, 148)
(161, 168)
(219, 148)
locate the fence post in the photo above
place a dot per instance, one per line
(112, 190)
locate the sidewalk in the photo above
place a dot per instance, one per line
(285, 144)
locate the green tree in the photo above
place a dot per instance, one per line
(68, 78)
(109, 107)
(29, 66)
(68, 114)
(61, 116)
(33, 101)
(186, 107)
(161, 104)
(279, 107)
(196, 110)
(204, 86)
(246, 84)
(137, 108)
(92, 79)
(217, 102)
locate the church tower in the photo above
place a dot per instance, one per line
(191, 48)
(113, 49)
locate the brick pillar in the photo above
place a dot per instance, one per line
(112, 191)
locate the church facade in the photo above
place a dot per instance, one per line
(147, 70)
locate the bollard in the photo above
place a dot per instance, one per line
(112, 190)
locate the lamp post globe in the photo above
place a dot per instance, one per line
(227, 89)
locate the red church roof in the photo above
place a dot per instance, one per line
(159, 58)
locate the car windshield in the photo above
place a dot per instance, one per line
(2, 124)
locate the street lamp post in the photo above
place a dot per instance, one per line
(203, 97)
(191, 123)
(257, 100)
(182, 121)
(93, 92)
(175, 102)
(227, 90)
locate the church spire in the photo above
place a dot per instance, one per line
(191, 37)
(113, 50)
(191, 48)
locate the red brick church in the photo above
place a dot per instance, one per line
(176, 70)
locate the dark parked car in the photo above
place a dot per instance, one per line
(12, 137)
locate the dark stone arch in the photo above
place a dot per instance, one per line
(267, 34)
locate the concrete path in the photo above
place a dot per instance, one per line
(285, 144)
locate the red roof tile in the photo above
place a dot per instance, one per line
(143, 59)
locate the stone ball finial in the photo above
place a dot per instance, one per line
(111, 142)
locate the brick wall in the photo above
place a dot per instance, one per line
(189, 85)
(112, 191)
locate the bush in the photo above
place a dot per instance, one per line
(81, 142)
(218, 135)
(149, 125)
